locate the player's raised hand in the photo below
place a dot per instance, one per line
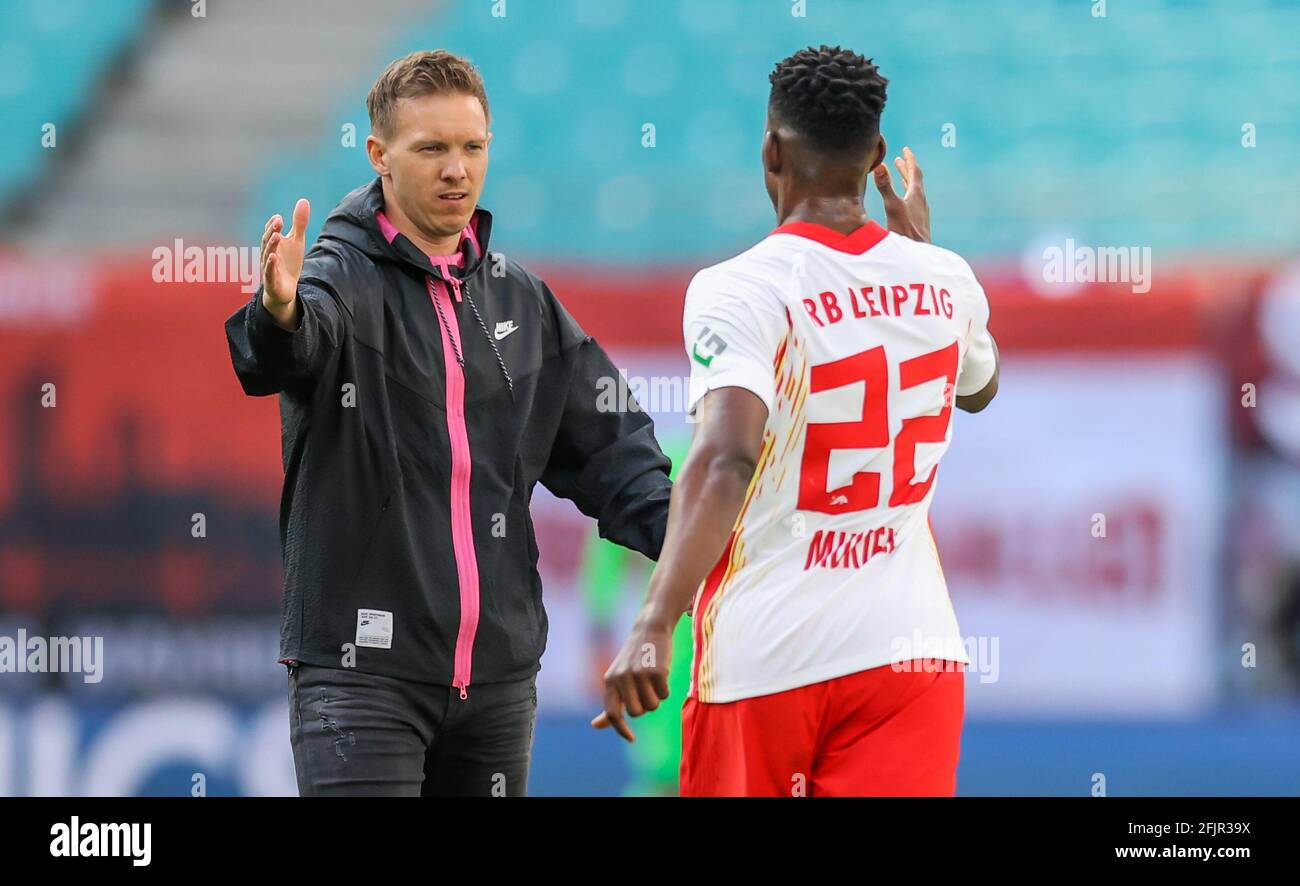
(637, 680)
(908, 215)
(282, 259)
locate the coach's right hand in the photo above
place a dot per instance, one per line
(282, 263)
(908, 215)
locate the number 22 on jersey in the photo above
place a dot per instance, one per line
(871, 430)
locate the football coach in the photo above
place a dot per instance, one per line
(426, 386)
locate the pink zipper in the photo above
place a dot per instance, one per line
(462, 531)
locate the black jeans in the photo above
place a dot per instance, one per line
(359, 734)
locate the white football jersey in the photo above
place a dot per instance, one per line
(857, 344)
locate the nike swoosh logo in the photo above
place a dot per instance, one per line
(504, 329)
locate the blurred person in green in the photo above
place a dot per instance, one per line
(606, 574)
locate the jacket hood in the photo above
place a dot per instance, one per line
(353, 222)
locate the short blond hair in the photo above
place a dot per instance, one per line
(426, 72)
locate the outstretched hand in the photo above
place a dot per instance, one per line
(908, 215)
(282, 258)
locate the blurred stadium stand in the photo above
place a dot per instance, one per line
(1114, 132)
(1063, 122)
(169, 150)
(1122, 658)
(52, 56)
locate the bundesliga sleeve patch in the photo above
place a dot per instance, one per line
(708, 345)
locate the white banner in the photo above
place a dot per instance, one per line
(1078, 522)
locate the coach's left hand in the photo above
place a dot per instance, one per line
(638, 679)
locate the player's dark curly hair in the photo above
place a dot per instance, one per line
(832, 96)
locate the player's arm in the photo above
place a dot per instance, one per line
(733, 323)
(706, 499)
(909, 216)
(983, 397)
(977, 379)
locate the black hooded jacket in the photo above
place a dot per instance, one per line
(409, 466)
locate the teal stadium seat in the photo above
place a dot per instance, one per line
(1123, 130)
(51, 57)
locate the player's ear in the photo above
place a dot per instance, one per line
(878, 156)
(771, 152)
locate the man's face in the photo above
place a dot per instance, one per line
(437, 159)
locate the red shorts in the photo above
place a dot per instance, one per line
(879, 732)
